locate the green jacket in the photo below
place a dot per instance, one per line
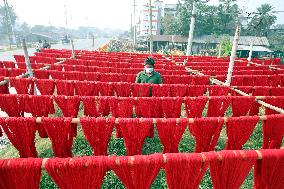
(155, 78)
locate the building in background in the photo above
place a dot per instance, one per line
(170, 9)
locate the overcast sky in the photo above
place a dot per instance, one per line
(100, 13)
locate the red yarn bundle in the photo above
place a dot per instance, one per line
(98, 132)
(74, 173)
(170, 132)
(194, 106)
(45, 86)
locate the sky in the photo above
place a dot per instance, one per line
(103, 14)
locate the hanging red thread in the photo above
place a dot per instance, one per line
(123, 89)
(20, 173)
(232, 170)
(22, 85)
(12, 104)
(161, 90)
(197, 90)
(273, 131)
(274, 80)
(4, 89)
(201, 80)
(170, 132)
(245, 89)
(73, 173)
(140, 90)
(98, 132)
(218, 105)
(65, 87)
(56, 74)
(105, 88)
(268, 172)
(179, 90)
(69, 105)
(216, 90)
(134, 132)
(84, 88)
(137, 172)
(171, 107)
(242, 105)
(41, 74)
(262, 80)
(103, 105)
(261, 91)
(45, 86)
(21, 133)
(195, 106)
(90, 106)
(238, 130)
(60, 132)
(277, 91)
(185, 170)
(206, 132)
(278, 102)
(148, 107)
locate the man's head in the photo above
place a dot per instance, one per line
(149, 65)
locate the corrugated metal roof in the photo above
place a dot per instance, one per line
(255, 48)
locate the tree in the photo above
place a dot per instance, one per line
(276, 37)
(7, 22)
(262, 21)
(169, 25)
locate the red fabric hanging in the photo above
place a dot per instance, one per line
(74, 173)
(273, 131)
(22, 85)
(238, 130)
(45, 86)
(277, 91)
(60, 132)
(105, 88)
(245, 89)
(20, 173)
(268, 172)
(69, 105)
(170, 132)
(12, 104)
(206, 132)
(241, 105)
(218, 105)
(98, 132)
(65, 87)
(85, 88)
(171, 107)
(9, 64)
(137, 172)
(185, 170)
(56, 74)
(179, 90)
(4, 89)
(21, 133)
(216, 90)
(161, 90)
(194, 106)
(90, 107)
(197, 90)
(249, 80)
(41, 74)
(261, 80)
(140, 90)
(123, 89)
(201, 80)
(103, 105)
(232, 170)
(134, 132)
(274, 80)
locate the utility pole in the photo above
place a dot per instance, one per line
(150, 26)
(233, 56)
(191, 29)
(250, 51)
(134, 23)
(8, 19)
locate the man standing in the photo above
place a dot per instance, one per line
(148, 75)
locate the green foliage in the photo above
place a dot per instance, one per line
(226, 45)
(5, 19)
(262, 21)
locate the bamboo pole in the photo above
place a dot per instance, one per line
(191, 29)
(132, 158)
(233, 56)
(150, 26)
(250, 51)
(73, 56)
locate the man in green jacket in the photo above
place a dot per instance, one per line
(148, 75)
